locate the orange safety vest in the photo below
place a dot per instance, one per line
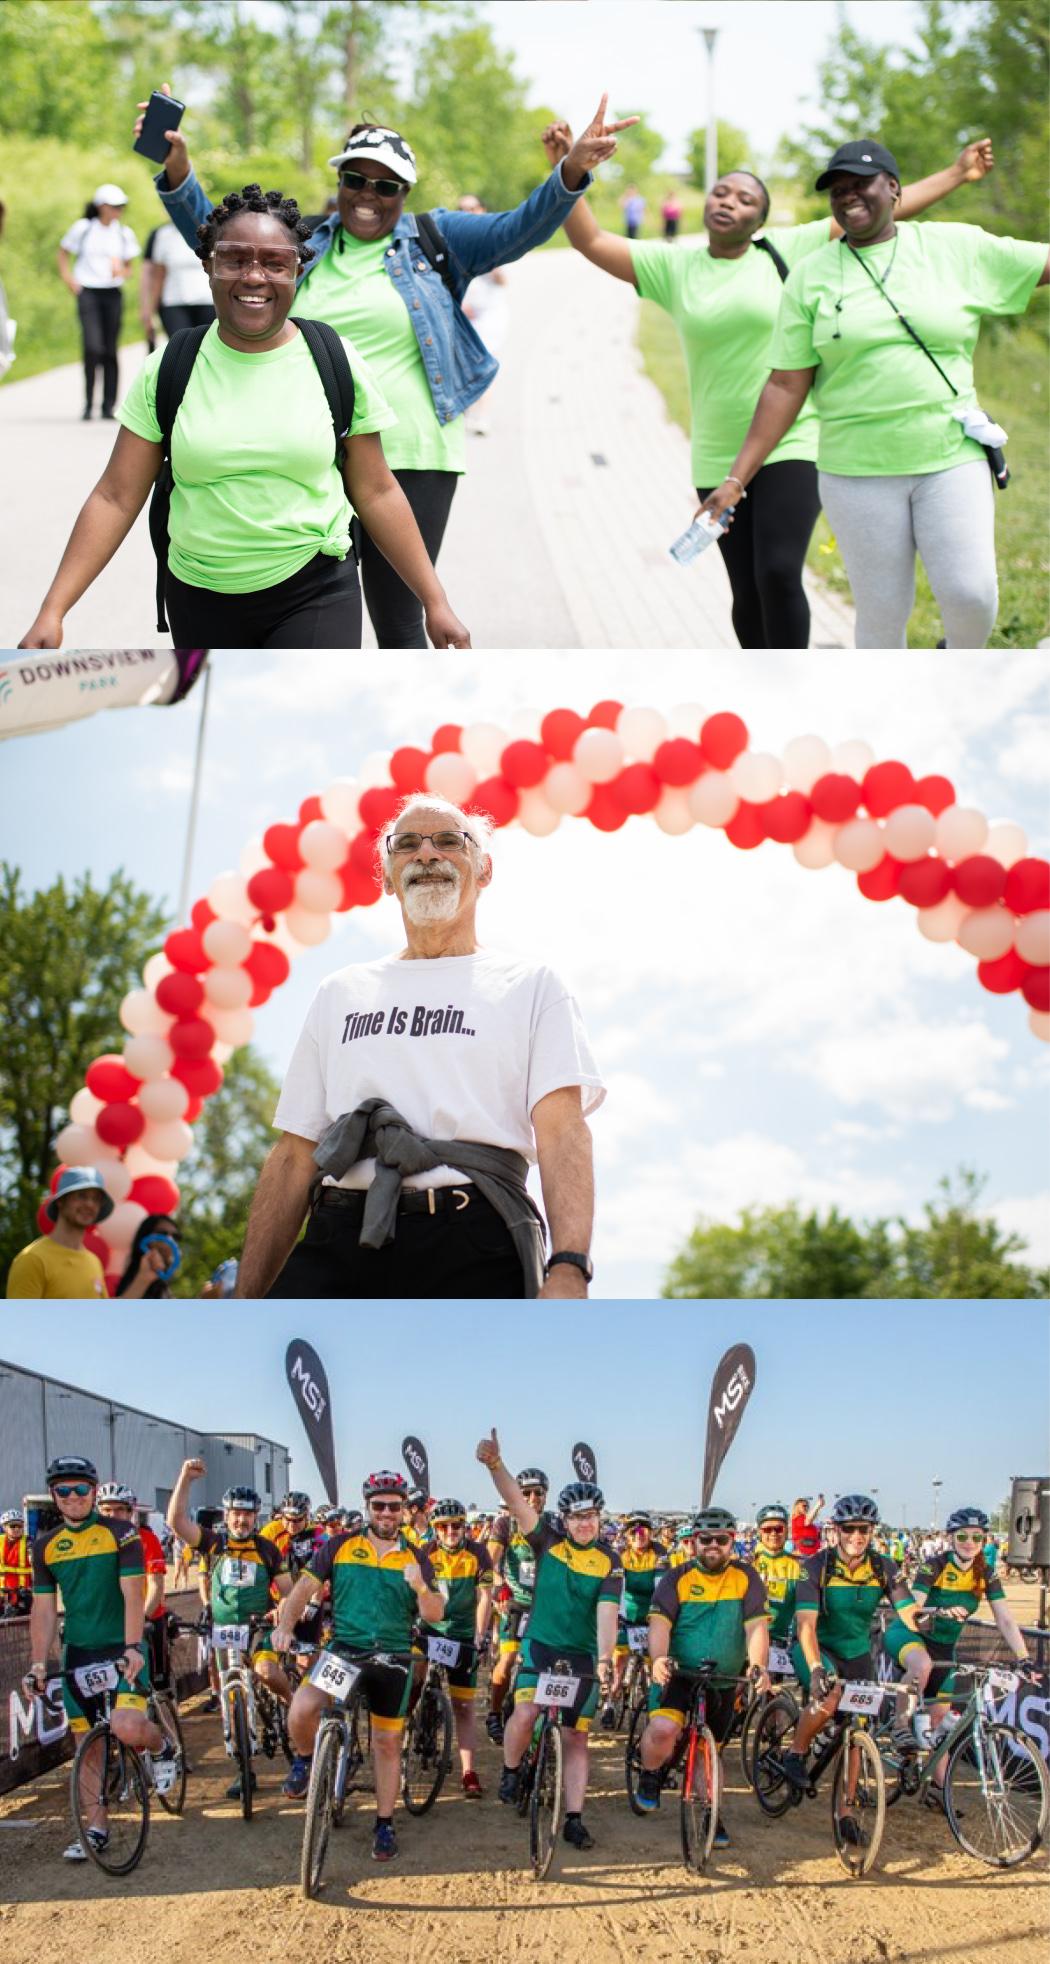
(15, 1568)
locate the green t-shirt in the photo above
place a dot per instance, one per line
(642, 1569)
(373, 1607)
(709, 1613)
(884, 411)
(570, 1583)
(88, 1562)
(257, 492)
(846, 1599)
(725, 311)
(352, 290)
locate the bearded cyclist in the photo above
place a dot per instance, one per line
(514, 1574)
(463, 1572)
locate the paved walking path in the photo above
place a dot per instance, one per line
(559, 531)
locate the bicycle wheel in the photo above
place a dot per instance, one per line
(359, 1756)
(318, 1821)
(109, 1776)
(638, 1687)
(426, 1751)
(996, 1795)
(168, 1719)
(858, 1803)
(773, 1730)
(632, 1759)
(700, 1796)
(241, 1737)
(546, 1803)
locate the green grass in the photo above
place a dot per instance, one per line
(1012, 385)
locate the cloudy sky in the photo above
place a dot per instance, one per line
(765, 1032)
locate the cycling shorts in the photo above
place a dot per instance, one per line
(898, 1640)
(537, 1657)
(461, 1677)
(512, 1626)
(846, 1669)
(672, 1701)
(385, 1681)
(84, 1706)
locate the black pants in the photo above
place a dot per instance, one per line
(174, 318)
(393, 609)
(100, 309)
(319, 607)
(432, 1258)
(764, 552)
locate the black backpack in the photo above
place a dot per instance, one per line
(176, 367)
(766, 245)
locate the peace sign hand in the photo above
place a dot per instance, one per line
(595, 146)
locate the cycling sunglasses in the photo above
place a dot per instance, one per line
(385, 1506)
(387, 187)
(714, 1540)
(80, 1487)
(967, 1534)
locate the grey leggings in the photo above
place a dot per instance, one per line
(948, 518)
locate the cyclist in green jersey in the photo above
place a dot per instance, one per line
(98, 1566)
(644, 1560)
(780, 1571)
(514, 1573)
(463, 1572)
(575, 1606)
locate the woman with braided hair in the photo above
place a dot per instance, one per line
(261, 496)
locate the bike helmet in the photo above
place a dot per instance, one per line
(966, 1517)
(394, 1484)
(686, 1531)
(582, 1497)
(533, 1476)
(353, 1519)
(112, 1494)
(714, 1520)
(245, 1497)
(448, 1510)
(772, 1513)
(68, 1466)
(295, 1503)
(638, 1521)
(417, 1498)
(324, 1514)
(855, 1507)
(10, 1518)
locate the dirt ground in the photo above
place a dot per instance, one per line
(212, 1889)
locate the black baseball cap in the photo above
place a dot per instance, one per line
(865, 158)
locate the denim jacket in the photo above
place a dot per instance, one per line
(457, 364)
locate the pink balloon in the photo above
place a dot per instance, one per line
(909, 832)
(598, 755)
(987, 932)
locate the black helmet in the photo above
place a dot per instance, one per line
(638, 1520)
(417, 1497)
(714, 1520)
(774, 1512)
(245, 1497)
(448, 1510)
(533, 1476)
(582, 1497)
(966, 1517)
(353, 1518)
(69, 1466)
(385, 1482)
(295, 1502)
(857, 1507)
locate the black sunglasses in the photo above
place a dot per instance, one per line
(387, 187)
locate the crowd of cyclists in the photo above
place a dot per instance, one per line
(555, 1605)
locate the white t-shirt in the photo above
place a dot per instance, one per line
(100, 251)
(185, 280)
(463, 1047)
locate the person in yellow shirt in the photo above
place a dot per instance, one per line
(57, 1265)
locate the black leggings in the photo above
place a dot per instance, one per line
(318, 607)
(764, 552)
(393, 609)
(100, 309)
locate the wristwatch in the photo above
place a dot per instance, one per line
(582, 1262)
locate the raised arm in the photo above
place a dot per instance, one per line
(103, 524)
(605, 249)
(488, 1452)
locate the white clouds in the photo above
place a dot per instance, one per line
(1029, 1216)
(911, 1068)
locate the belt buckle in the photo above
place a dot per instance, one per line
(431, 1208)
(463, 1199)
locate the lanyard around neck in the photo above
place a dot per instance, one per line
(876, 280)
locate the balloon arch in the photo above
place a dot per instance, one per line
(901, 837)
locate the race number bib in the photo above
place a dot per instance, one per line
(235, 1574)
(638, 1636)
(527, 1575)
(334, 1676)
(999, 1683)
(443, 1650)
(231, 1636)
(780, 1659)
(92, 1679)
(861, 1697)
(553, 1689)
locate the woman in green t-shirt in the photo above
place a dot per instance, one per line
(259, 522)
(723, 298)
(877, 333)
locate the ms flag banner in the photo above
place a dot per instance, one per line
(585, 1461)
(414, 1454)
(308, 1384)
(731, 1387)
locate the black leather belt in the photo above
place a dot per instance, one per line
(414, 1200)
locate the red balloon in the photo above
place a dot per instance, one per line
(193, 1111)
(271, 889)
(603, 811)
(446, 738)
(883, 881)
(886, 786)
(636, 788)
(1035, 988)
(559, 730)
(185, 951)
(361, 889)
(179, 994)
(835, 797)
(43, 1219)
(406, 768)
(362, 853)
(379, 806)
(120, 1124)
(722, 738)
(156, 1193)
(202, 914)
(202, 1076)
(936, 793)
(109, 1079)
(980, 880)
(746, 828)
(281, 845)
(524, 764)
(191, 1037)
(95, 1245)
(925, 882)
(498, 798)
(605, 715)
(309, 810)
(267, 965)
(677, 761)
(1027, 886)
(786, 818)
(111, 1285)
(1004, 975)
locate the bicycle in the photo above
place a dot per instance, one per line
(541, 1787)
(253, 1718)
(340, 1750)
(858, 1787)
(426, 1748)
(108, 1777)
(782, 1672)
(694, 1769)
(633, 1694)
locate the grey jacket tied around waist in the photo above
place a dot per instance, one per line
(376, 1130)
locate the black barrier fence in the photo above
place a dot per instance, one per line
(33, 1731)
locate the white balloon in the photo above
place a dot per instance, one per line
(817, 849)
(254, 858)
(232, 1027)
(322, 845)
(852, 758)
(641, 731)
(154, 971)
(119, 1229)
(167, 1139)
(451, 776)
(163, 1098)
(139, 1163)
(482, 744)
(228, 897)
(712, 798)
(805, 759)
(84, 1107)
(78, 1145)
(1039, 1024)
(142, 1015)
(1006, 843)
(282, 938)
(598, 754)
(148, 1057)
(672, 813)
(909, 832)
(536, 815)
(116, 1178)
(220, 1051)
(986, 932)
(566, 789)
(685, 720)
(756, 776)
(339, 804)
(859, 844)
(1032, 941)
(309, 929)
(961, 832)
(227, 988)
(942, 923)
(319, 893)
(226, 943)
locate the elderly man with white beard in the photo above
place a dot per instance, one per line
(421, 1089)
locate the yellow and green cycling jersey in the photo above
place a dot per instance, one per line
(642, 1568)
(571, 1581)
(373, 1606)
(709, 1613)
(781, 1575)
(88, 1561)
(460, 1573)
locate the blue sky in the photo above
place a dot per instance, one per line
(765, 1032)
(911, 1393)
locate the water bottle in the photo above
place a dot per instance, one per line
(702, 533)
(225, 1276)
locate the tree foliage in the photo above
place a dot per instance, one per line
(733, 148)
